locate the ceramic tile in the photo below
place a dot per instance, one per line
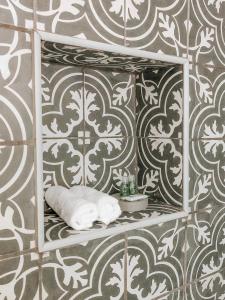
(160, 169)
(205, 243)
(93, 270)
(109, 104)
(210, 287)
(16, 118)
(56, 228)
(94, 20)
(19, 277)
(97, 59)
(160, 102)
(18, 13)
(157, 26)
(62, 101)
(107, 160)
(17, 200)
(206, 169)
(63, 162)
(206, 102)
(206, 34)
(155, 262)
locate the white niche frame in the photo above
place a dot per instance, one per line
(50, 245)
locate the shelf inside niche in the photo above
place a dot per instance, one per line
(53, 49)
(57, 229)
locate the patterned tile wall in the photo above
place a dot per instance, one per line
(88, 126)
(182, 27)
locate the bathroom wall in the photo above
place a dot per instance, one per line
(176, 260)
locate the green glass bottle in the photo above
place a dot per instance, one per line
(132, 185)
(124, 188)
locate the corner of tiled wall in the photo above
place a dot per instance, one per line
(177, 260)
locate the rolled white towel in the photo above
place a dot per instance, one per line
(107, 206)
(75, 211)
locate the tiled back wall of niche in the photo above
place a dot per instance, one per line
(100, 125)
(89, 130)
(175, 260)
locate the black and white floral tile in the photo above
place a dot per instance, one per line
(19, 277)
(205, 245)
(62, 101)
(173, 27)
(210, 287)
(207, 104)
(93, 20)
(160, 172)
(97, 59)
(100, 103)
(155, 261)
(16, 162)
(94, 124)
(92, 270)
(207, 185)
(16, 122)
(206, 34)
(17, 201)
(57, 229)
(160, 102)
(158, 26)
(17, 13)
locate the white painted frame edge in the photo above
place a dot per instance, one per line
(51, 37)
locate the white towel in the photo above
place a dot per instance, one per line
(107, 206)
(74, 210)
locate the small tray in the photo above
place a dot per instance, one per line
(132, 204)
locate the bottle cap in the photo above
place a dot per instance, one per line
(124, 179)
(131, 178)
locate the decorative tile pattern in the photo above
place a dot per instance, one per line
(19, 277)
(160, 103)
(93, 270)
(62, 101)
(16, 119)
(205, 243)
(160, 169)
(17, 201)
(207, 174)
(18, 13)
(158, 26)
(206, 34)
(155, 260)
(107, 160)
(207, 102)
(78, 56)
(56, 228)
(109, 104)
(210, 287)
(94, 20)
(63, 162)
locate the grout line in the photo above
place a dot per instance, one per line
(35, 14)
(16, 28)
(17, 143)
(18, 253)
(125, 23)
(185, 250)
(35, 144)
(188, 27)
(206, 65)
(84, 127)
(40, 279)
(125, 266)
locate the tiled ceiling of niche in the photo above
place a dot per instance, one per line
(78, 56)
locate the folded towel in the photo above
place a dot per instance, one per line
(75, 211)
(107, 206)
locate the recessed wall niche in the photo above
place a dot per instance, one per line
(103, 111)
